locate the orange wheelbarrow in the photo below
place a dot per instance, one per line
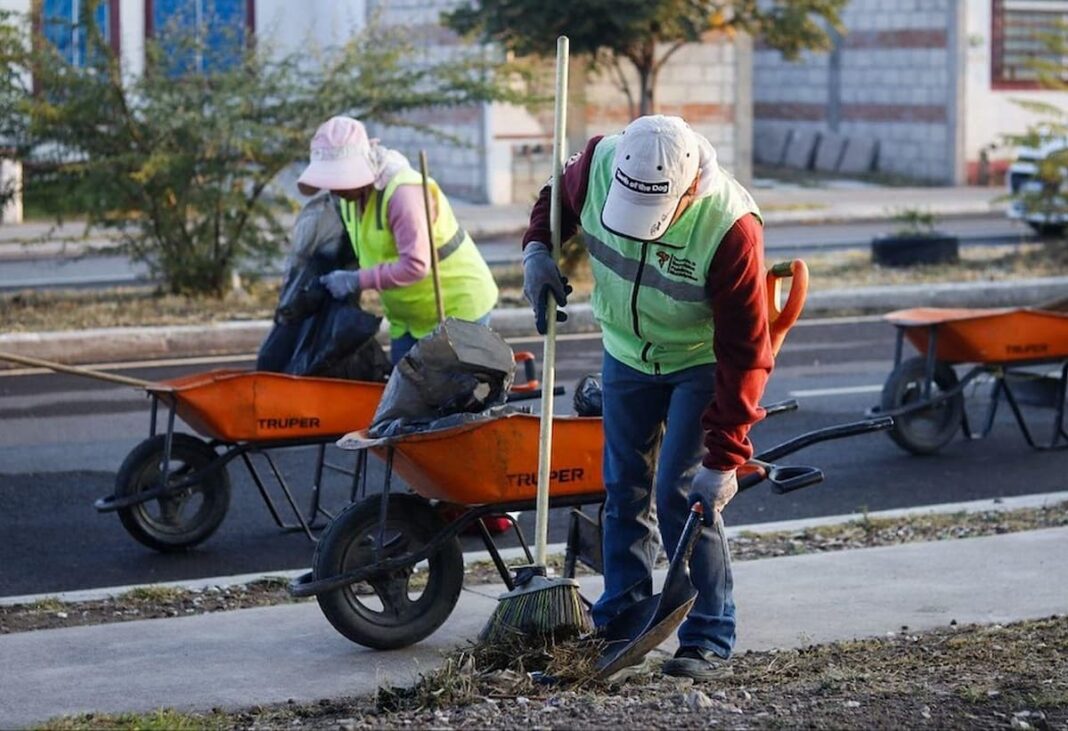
(172, 491)
(388, 570)
(1019, 349)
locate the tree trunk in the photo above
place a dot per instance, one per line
(646, 92)
(648, 73)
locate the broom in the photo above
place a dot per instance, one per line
(543, 607)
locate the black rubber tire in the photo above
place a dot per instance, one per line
(928, 430)
(339, 549)
(169, 532)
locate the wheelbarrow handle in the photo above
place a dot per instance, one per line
(79, 371)
(530, 373)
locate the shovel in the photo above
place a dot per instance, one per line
(635, 632)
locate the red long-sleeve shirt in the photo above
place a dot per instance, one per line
(736, 292)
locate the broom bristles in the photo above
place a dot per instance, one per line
(544, 608)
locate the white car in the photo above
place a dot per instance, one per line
(1020, 180)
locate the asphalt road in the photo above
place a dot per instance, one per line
(62, 439)
(783, 240)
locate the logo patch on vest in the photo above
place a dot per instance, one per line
(640, 186)
(677, 266)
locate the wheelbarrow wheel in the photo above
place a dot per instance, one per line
(927, 430)
(176, 522)
(396, 608)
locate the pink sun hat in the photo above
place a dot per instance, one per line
(340, 157)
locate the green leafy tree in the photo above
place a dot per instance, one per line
(643, 34)
(180, 163)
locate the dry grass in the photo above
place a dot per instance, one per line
(986, 677)
(505, 670)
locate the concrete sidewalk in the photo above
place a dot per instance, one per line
(270, 655)
(780, 204)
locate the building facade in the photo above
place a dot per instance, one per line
(922, 89)
(494, 153)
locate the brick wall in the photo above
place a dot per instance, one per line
(459, 165)
(706, 84)
(892, 79)
(502, 154)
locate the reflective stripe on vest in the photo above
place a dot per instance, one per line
(467, 285)
(650, 297)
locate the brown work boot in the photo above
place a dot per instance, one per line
(693, 662)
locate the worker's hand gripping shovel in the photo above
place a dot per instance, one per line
(634, 633)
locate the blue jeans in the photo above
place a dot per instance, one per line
(653, 442)
(399, 347)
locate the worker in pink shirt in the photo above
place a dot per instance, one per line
(380, 200)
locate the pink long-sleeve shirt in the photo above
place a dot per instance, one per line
(407, 222)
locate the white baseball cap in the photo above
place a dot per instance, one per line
(657, 159)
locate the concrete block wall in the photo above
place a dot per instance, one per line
(459, 164)
(707, 84)
(892, 78)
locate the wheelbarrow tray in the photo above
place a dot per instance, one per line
(1004, 335)
(233, 405)
(496, 461)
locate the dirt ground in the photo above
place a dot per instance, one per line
(976, 677)
(160, 602)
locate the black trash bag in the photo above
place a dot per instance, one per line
(314, 334)
(462, 367)
(589, 400)
(402, 426)
(330, 338)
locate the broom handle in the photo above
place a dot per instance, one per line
(545, 436)
(434, 272)
(79, 371)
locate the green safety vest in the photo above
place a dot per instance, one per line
(467, 285)
(650, 297)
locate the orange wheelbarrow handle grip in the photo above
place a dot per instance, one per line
(530, 372)
(782, 316)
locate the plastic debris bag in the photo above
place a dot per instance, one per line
(314, 334)
(589, 400)
(461, 367)
(334, 340)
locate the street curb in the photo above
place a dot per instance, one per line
(998, 505)
(111, 345)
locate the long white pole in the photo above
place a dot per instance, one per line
(548, 382)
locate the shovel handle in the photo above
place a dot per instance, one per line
(435, 271)
(691, 531)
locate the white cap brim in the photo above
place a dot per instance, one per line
(637, 215)
(345, 174)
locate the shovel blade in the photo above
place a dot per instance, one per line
(621, 655)
(639, 629)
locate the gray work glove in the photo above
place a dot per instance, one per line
(541, 277)
(713, 489)
(342, 283)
